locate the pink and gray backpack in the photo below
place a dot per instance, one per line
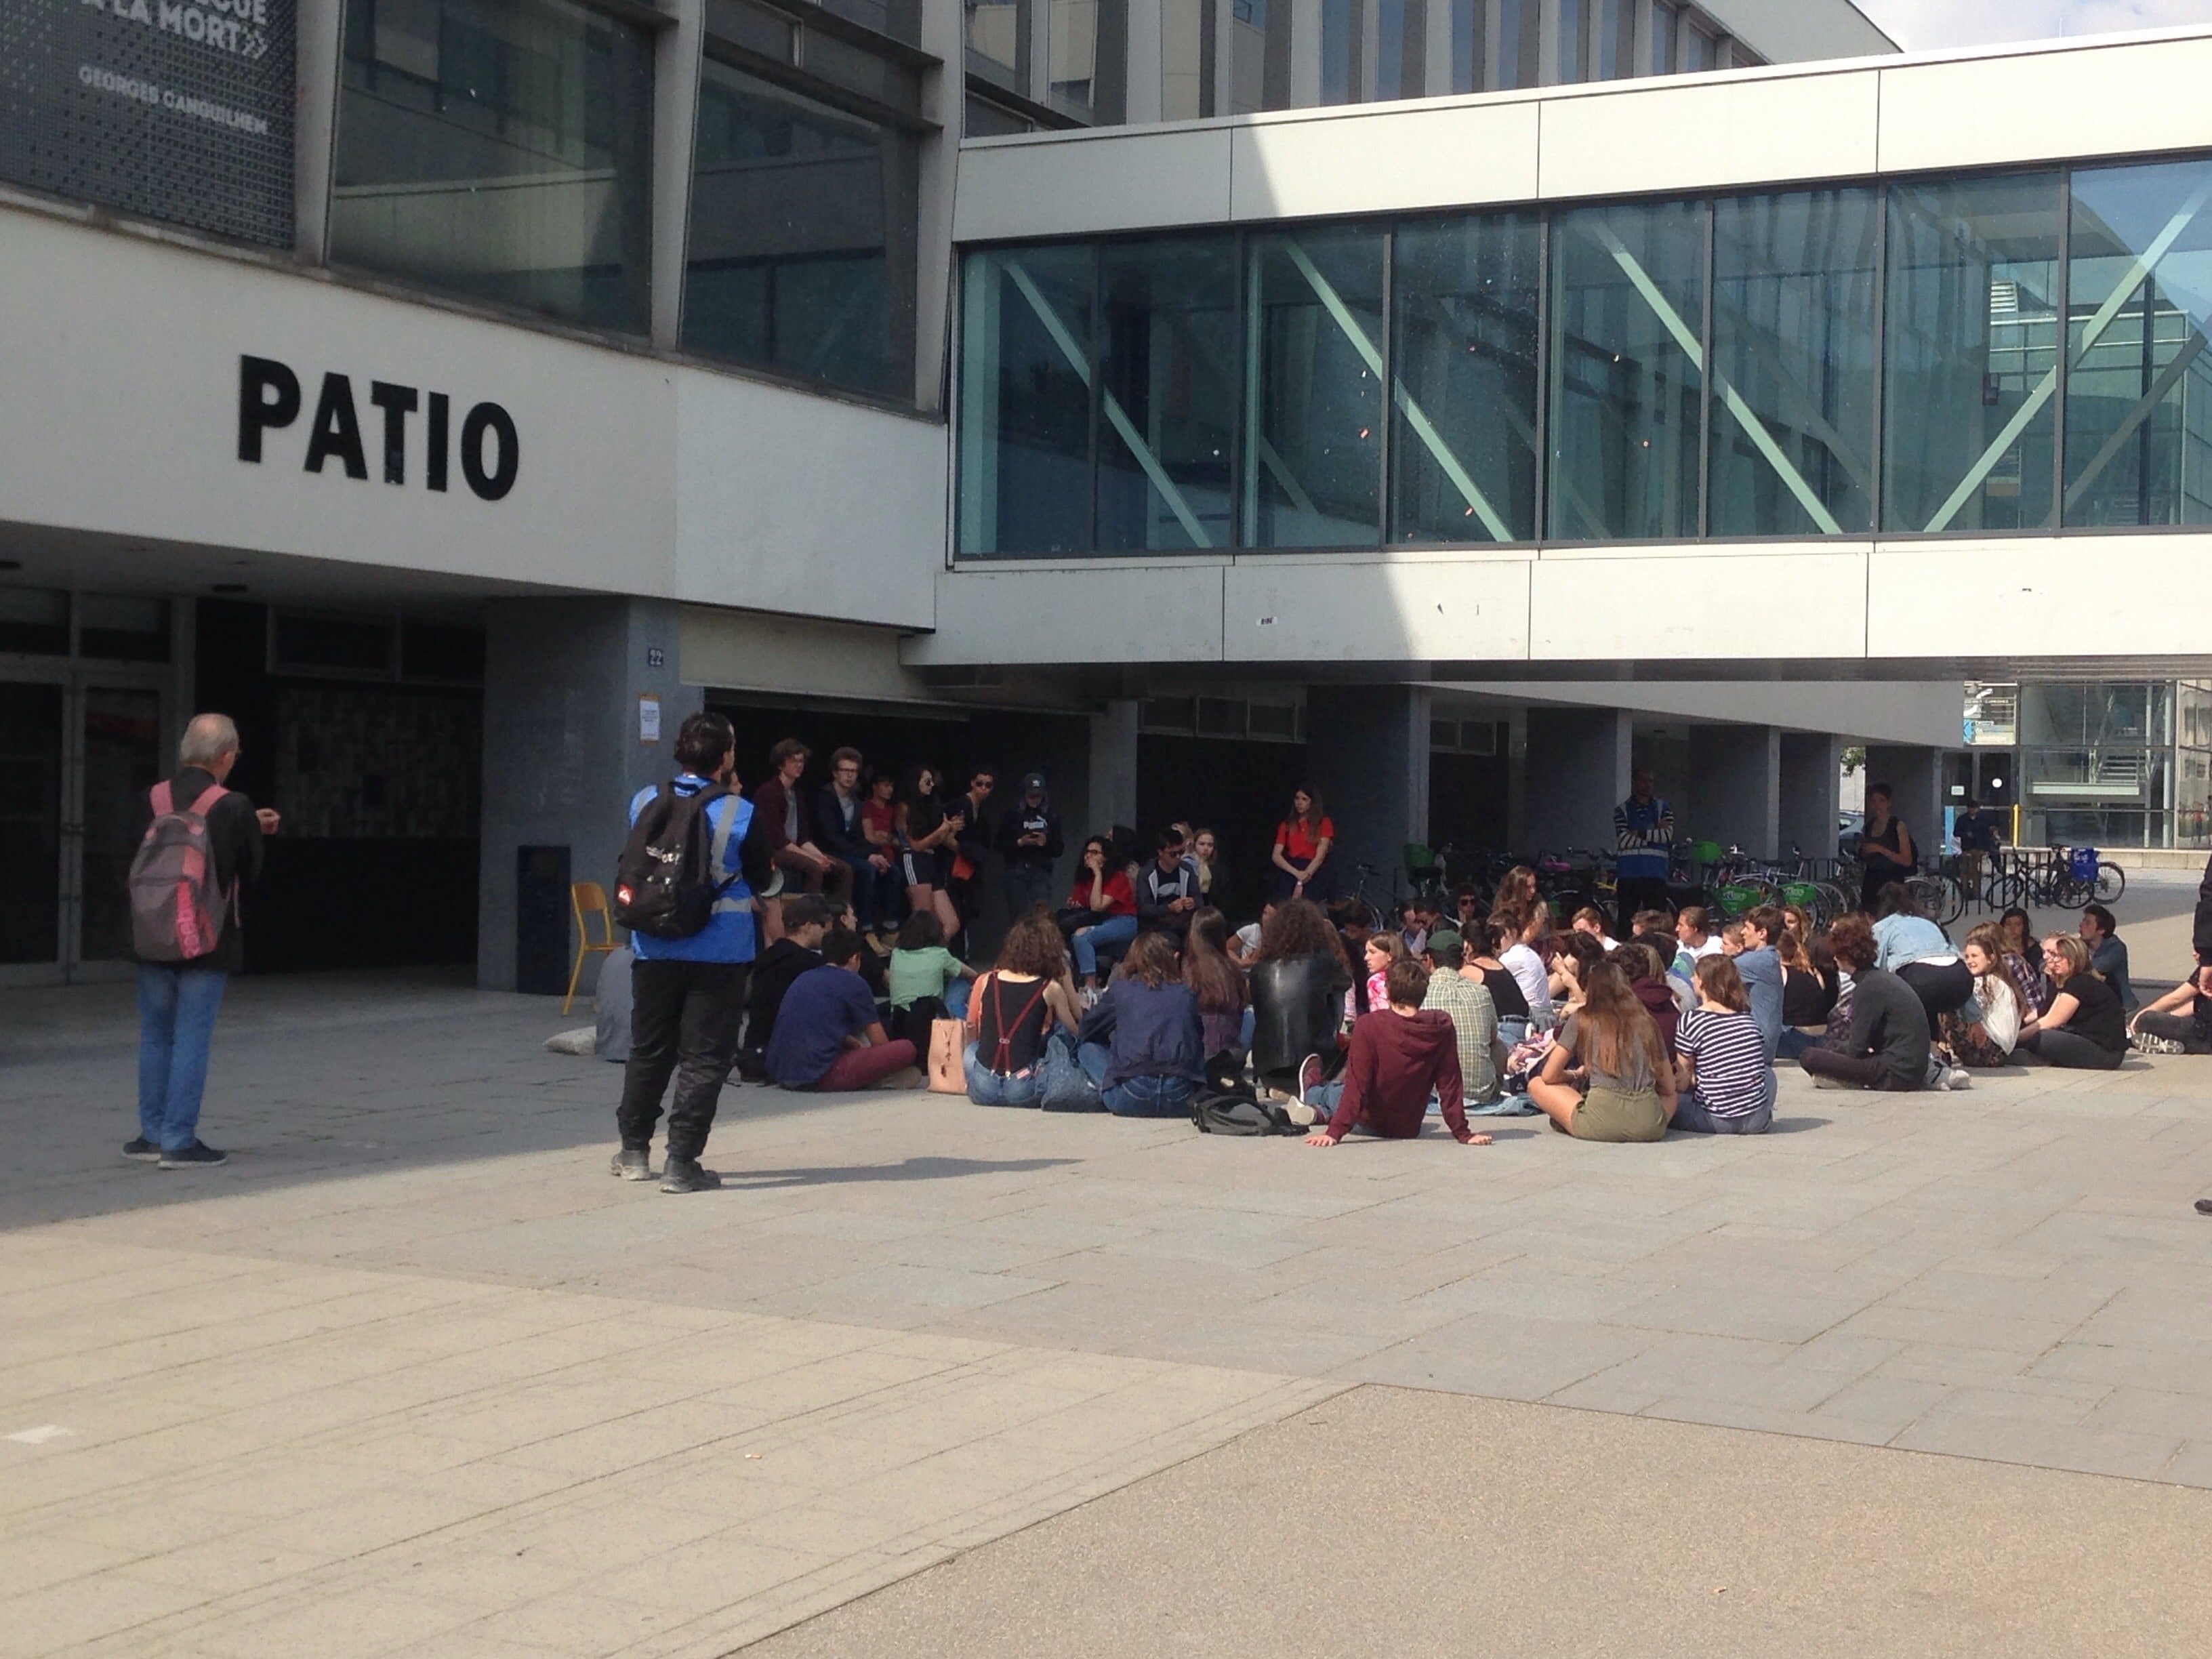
(177, 911)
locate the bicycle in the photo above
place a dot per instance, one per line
(1360, 896)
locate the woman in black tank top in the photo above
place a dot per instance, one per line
(1890, 834)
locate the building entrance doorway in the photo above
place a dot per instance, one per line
(78, 749)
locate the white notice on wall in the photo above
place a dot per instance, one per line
(648, 718)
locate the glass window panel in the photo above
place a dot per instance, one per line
(1616, 39)
(1520, 43)
(1025, 403)
(1168, 411)
(1313, 477)
(1188, 37)
(1340, 26)
(2139, 385)
(1463, 448)
(1793, 354)
(1259, 55)
(1700, 51)
(1627, 308)
(1470, 23)
(36, 621)
(498, 148)
(1666, 29)
(1087, 47)
(1970, 326)
(802, 251)
(121, 630)
(1574, 40)
(998, 36)
(1401, 48)
(987, 121)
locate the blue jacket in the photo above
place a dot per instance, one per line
(1150, 1032)
(728, 934)
(1762, 972)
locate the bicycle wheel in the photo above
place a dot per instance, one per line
(1929, 897)
(2112, 882)
(2007, 891)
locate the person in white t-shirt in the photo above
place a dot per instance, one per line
(1526, 963)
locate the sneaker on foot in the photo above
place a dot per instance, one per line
(1311, 1075)
(1299, 1113)
(197, 1156)
(2144, 1042)
(907, 1077)
(683, 1175)
(1957, 1077)
(141, 1149)
(632, 1166)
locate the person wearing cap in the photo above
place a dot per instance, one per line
(1030, 845)
(1460, 994)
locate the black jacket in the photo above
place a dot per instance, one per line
(233, 836)
(773, 973)
(1297, 1003)
(830, 834)
(1021, 819)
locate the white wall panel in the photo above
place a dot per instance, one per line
(1323, 610)
(1734, 130)
(1115, 180)
(1461, 153)
(1165, 613)
(1688, 607)
(2095, 596)
(2042, 106)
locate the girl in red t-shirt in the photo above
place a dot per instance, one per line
(1101, 907)
(1302, 844)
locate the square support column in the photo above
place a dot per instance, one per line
(1367, 751)
(1736, 780)
(1577, 770)
(1113, 794)
(564, 754)
(1812, 785)
(1916, 775)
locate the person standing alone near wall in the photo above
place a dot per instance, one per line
(199, 842)
(1643, 842)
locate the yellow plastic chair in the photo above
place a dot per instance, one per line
(587, 899)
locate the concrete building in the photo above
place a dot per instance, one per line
(460, 391)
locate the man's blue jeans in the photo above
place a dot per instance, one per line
(1136, 1097)
(875, 894)
(1114, 930)
(177, 1008)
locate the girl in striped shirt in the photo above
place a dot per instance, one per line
(1726, 1087)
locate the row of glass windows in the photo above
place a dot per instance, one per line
(1954, 354)
(501, 149)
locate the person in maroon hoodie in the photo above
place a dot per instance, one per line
(1647, 977)
(1399, 1056)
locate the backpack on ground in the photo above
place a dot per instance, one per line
(1228, 1104)
(177, 911)
(665, 885)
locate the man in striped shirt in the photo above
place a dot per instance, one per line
(1643, 838)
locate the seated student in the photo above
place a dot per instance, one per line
(1298, 980)
(1400, 1054)
(2179, 1023)
(806, 918)
(1609, 1077)
(1224, 999)
(1023, 1005)
(2023, 960)
(828, 1036)
(1101, 909)
(926, 977)
(1578, 952)
(1526, 963)
(1481, 948)
(1759, 965)
(1591, 920)
(2108, 954)
(1244, 946)
(1457, 991)
(1988, 1028)
(1169, 892)
(2085, 1029)
(1377, 955)
(1654, 989)
(1142, 1044)
(1809, 992)
(1920, 953)
(1695, 940)
(1887, 1047)
(1726, 1087)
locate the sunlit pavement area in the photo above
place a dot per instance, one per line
(414, 1375)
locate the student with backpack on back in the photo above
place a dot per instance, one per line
(681, 889)
(200, 841)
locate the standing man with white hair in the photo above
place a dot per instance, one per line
(198, 842)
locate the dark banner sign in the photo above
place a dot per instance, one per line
(181, 110)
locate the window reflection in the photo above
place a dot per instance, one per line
(1259, 55)
(1087, 51)
(1167, 395)
(1025, 401)
(1313, 477)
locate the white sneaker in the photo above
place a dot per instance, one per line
(1956, 1078)
(2145, 1043)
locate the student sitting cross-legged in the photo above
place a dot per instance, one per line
(1724, 1085)
(827, 1036)
(1400, 1055)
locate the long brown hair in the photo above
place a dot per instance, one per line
(1612, 1023)
(1217, 982)
(1299, 929)
(1718, 979)
(1150, 961)
(1033, 946)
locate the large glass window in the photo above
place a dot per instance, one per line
(1520, 43)
(2139, 384)
(1401, 48)
(802, 248)
(1168, 393)
(1470, 27)
(1464, 309)
(1025, 405)
(1188, 51)
(1627, 306)
(1794, 277)
(1971, 332)
(1666, 31)
(498, 148)
(1574, 40)
(1616, 39)
(1341, 28)
(1259, 55)
(1313, 469)
(1087, 52)
(1700, 51)
(997, 37)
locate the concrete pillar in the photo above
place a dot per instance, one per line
(945, 103)
(563, 744)
(1367, 751)
(1306, 53)
(1915, 775)
(315, 49)
(1577, 771)
(1736, 780)
(675, 126)
(1811, 781)
(1113, 794)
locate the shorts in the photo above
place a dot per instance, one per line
(1608, 1114)
(918, 869)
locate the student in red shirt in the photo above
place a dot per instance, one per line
(1102, 907)
(1302, 844)
(1399, 1056)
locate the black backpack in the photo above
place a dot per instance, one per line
(1228, 1104)
(663, 881)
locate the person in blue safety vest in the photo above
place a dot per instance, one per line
(1643, 837)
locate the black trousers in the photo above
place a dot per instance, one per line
(1634, 893)
(2072, 1051)
(1858, 1071)
(1942, 990)
(683, 1023)
(2182, 1028)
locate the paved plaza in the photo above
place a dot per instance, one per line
(412, 1376)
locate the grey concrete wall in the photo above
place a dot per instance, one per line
(1917, 777)
(562, 680)
(1736, 779)
(1812, 779)
(1577, 771)
(1112, 776)
(1367, 751)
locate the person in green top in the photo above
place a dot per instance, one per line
(921, 970)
